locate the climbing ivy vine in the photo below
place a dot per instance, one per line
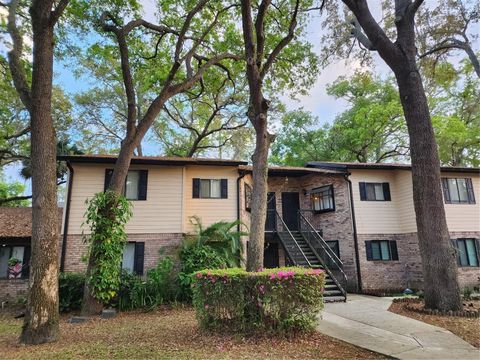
(106, 241)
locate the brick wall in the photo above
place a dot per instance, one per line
(156, 245)
(11, 289)
(467, 276)
(336, 225)
(391, 275)
(407, 271)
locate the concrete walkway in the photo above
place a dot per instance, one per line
(366, 322)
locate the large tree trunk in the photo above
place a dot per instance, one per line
(259, 198)
(90, 304)
(41, 318)
(437, 253)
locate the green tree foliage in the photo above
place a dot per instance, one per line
(13, 191)
(446, 29)
(106, 239)
(373, 128)
(208, 123)
(15, 120)
(456, 114)
(301, 140)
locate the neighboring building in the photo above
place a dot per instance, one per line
(15, 239)
(353, 219)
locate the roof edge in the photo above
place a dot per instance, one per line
(384, 166)
(150, 160)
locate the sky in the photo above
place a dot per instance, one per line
(317, 101)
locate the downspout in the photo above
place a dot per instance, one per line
(355, 236)
(67, 216)
(238, 199)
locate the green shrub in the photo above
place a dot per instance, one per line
(106, 216)
(156, 289)
(71, 291)
(222, 237)
(274, 301)
(467, 293)
(195, 258)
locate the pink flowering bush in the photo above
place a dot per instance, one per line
(271, 301)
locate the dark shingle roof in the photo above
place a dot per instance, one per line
(382, 166)
(152, 160)
(17, 221)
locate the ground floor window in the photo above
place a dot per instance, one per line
(133, 257)
(467, 252)
(14, 261)
(383, 250)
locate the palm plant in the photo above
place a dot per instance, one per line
(221, 237)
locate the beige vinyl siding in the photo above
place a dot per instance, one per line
(398, 216)
(464, 217)
(160, 213)
(210, 210)
(380, 217)
(406, 211)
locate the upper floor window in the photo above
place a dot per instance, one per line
(210, 188)
(374, 191)
(381, 250)
(135, 184)
(322, 199)
(248, 197)
(458, 191)
(468, 252)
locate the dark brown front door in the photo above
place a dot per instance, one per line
(290, 206)
(271, 206)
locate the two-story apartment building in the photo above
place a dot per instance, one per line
(357, 220)
(385, 227)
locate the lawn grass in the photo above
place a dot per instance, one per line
(167, 334)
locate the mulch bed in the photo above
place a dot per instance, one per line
(464, 325)
(168, 334)
(471, 308)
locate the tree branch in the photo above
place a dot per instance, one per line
(283, 43)
(58, 11)
(14, 57)
(14, 198)
(126, 69)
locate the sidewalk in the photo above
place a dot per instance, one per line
(366, 322)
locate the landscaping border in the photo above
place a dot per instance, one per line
(460, 313)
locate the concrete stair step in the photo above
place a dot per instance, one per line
(332, 293)
(334, 299)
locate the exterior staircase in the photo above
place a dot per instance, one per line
(301, 254)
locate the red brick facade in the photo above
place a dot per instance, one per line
(12, 289)
(156, 245)
(335, 225)
(392, 276)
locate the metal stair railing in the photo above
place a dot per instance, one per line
(314, 240)
(285, 229)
